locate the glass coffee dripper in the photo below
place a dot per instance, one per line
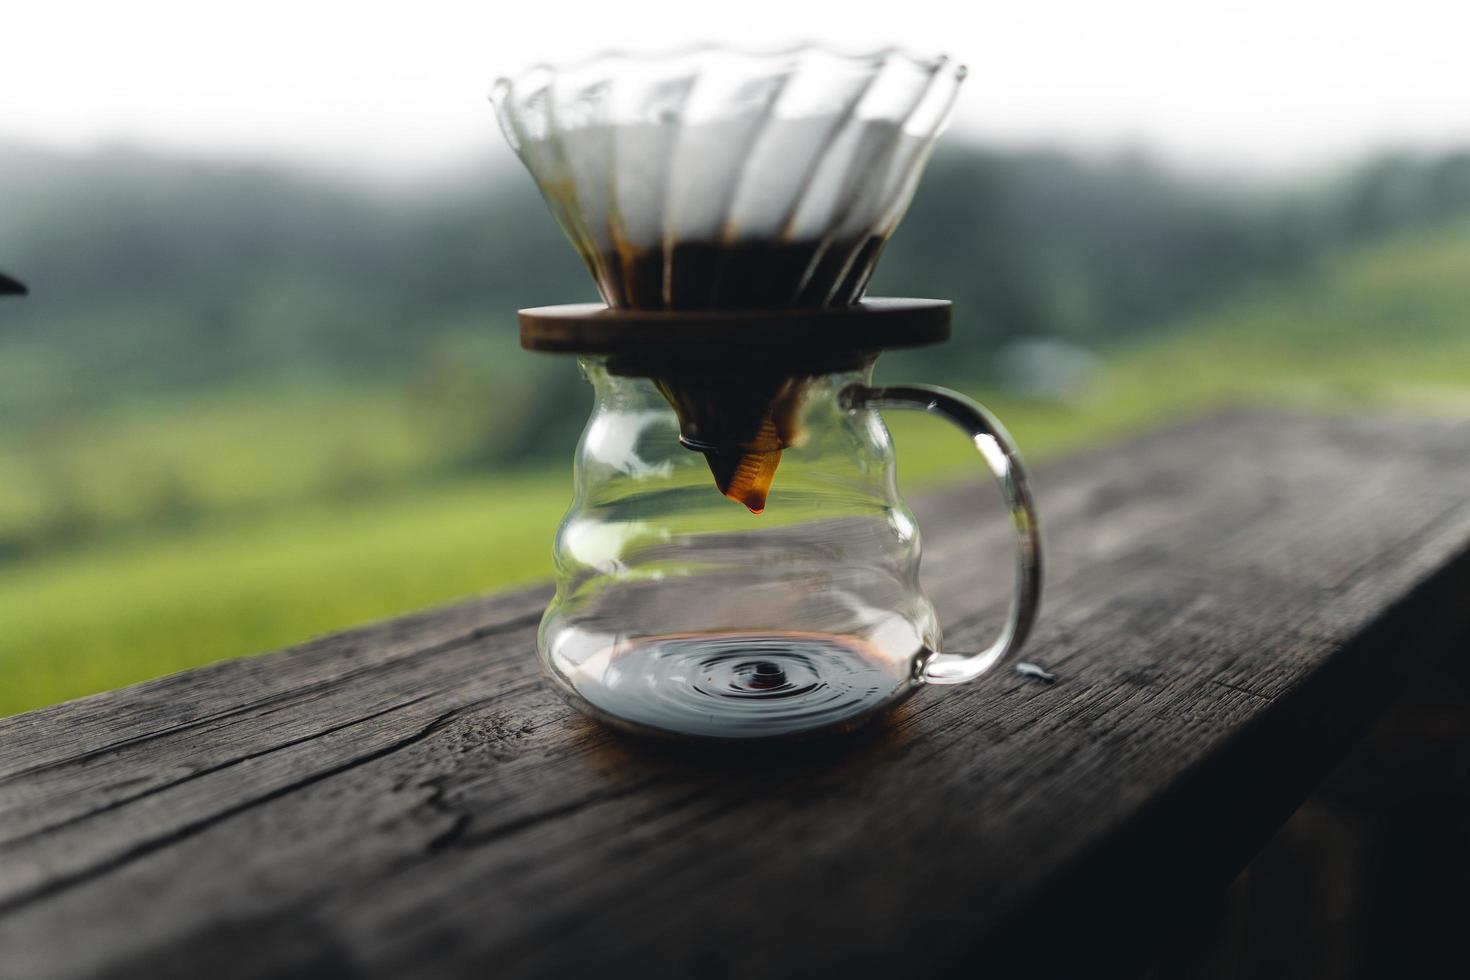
(736, 561)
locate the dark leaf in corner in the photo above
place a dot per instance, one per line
(11, 287)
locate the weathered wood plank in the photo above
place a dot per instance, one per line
(1230, 601)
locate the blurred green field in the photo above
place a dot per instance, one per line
(244, 569)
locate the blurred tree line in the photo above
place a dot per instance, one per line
(156, 280)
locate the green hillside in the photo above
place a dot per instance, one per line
(212, 341)
(238, 567)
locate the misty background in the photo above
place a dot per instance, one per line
(267, 384)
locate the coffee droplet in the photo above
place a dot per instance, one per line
(744, 477)
(764, 675)
(751, 482)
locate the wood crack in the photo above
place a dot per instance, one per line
(464, 839)
(284, 697)
(142, 849)
(1243, 690)
(205, 771)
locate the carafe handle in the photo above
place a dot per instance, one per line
(1000, 455)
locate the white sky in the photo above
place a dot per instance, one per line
(399, 89)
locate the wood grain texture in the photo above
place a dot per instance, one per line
(1230, 603)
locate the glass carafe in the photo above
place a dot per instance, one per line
(679, 613)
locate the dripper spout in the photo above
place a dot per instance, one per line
(745, 476)
(741, 424)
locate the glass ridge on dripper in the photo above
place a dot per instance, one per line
(709, 179)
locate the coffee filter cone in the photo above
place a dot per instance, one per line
(717, 179)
